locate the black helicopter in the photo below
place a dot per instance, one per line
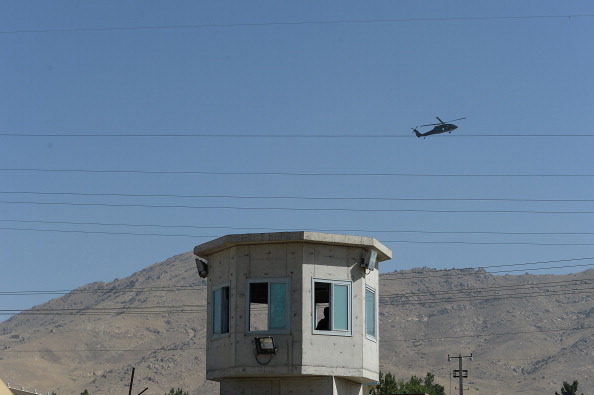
(440, 127)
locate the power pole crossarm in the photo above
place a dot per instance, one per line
(460, 373)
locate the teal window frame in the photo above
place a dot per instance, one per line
(371, 320)
(276, 301)
(339, 300)
(220, 310)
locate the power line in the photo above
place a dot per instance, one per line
(113, 233)
(268, 173)
(472, 271)
(194, 288)
(417, 339)
(534, 286)
(478, 335)
(185, 348)
(98, 232)
(532, 269)
(536, 290)
(150, 310)
(487, 243)
(277, 197)
(326, 209)
(178, 288)
(430, 232)
(480, 298)
(110, 290)
(296, 23)
(392, 135)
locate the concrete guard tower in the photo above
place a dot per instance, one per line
(292, 312)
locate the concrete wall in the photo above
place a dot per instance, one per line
(288, 386)
(234, 354)
(303, 353)
(348, 356)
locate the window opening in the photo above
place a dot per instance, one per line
(268, 308)
(322, 306)
(220, 311)
(332, 306)
(370, 313)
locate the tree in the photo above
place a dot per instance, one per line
(179, 391)
(389, 385)
(85, 392)
(569, 389)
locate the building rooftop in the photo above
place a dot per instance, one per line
(370, 243)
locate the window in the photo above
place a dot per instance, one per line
(220, 310)
(332, 307)
(268, 309)
(370, 314)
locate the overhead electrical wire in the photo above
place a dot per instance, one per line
(480, 298)
(98, 232)
(539, 269)
(472, 294)
(387, 300)
(326, 209)
(114, 233)
(432, 337)
(403, 275)
(175, 309)
(417, 231)
(392, 135)
(483, 334)
(103, 291)
(482, 289)
(194, 288)
(478, 292)
(296, 23)
(278, 197)
(472, 271)
(97, 350)
(306, 174)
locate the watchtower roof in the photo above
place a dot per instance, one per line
(224, 242)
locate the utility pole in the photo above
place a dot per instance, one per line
(460, 373)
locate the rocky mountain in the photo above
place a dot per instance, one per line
(527, 333)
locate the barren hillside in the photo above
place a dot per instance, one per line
(528, 333)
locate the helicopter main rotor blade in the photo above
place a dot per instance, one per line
(431, 124)
(440, 120)
(457, 119)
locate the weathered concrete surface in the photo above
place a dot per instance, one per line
(304, 355)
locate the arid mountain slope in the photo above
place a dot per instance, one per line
(528, 333)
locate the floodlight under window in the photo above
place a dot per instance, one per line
(265, 345)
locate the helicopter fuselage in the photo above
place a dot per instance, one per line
(446, 127)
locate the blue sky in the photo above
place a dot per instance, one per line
(323, 95)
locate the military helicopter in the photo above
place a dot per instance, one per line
(440, 127)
